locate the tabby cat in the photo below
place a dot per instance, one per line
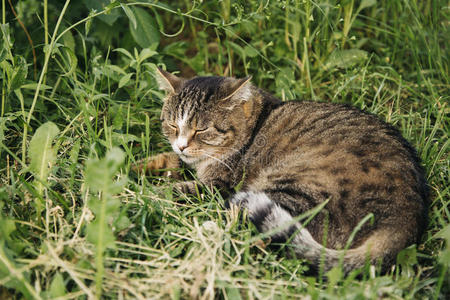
(288, 158)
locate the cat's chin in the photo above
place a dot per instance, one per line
(191, 159)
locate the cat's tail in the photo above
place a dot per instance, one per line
(269, 217)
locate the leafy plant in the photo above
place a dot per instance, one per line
(99, 179)
(42, 155)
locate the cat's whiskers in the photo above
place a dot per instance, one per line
(217, 159)
(232, 148)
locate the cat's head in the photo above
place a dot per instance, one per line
(207, 117)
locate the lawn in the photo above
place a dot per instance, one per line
(80, 105)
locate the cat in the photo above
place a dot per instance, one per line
(288, 158)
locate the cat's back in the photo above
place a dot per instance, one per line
(331, 133)
(323, 151)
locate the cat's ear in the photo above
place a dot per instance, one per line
(238, 89)
(168, 82)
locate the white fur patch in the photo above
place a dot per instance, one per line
(255, 202)
(182, 140)
(182, 122)
(251, 200)
(278, 217)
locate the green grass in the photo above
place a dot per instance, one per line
(76, 223)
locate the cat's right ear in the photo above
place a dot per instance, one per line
(168, 82)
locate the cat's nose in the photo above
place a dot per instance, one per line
(181, 143)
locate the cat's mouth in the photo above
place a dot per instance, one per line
(190, 155)
(191, 158)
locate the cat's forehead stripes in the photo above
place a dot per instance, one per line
(202, 89)
(186, 112)
(199, 92)
(194, 96)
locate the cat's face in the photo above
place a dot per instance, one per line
(201, 116)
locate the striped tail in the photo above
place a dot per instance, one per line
(269, 217)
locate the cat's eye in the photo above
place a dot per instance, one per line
(173, 126)
(201, 130)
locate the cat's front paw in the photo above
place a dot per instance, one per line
(186, 187)
(164, 164)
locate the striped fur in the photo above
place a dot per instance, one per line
(289, 157)
(268, 216)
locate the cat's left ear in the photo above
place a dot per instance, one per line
(168, 82)
(238, 89)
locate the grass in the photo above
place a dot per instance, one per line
(76, 223)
